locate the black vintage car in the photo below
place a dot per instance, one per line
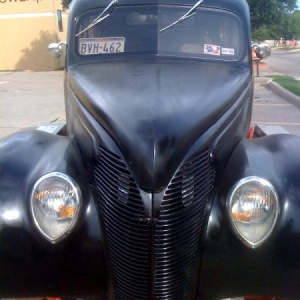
(155, 192)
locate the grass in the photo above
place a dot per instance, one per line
(288, 48)
(289, 83)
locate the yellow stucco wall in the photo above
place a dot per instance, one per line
(26, 29)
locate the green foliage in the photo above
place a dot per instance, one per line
(261, 33)
(289, 83)
(272, 19)
(263, 12)
(295, 24)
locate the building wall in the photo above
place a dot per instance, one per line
(26, 29)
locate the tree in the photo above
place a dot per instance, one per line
(65, 4)
(269, 17)
(295, 25)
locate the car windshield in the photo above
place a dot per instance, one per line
(207, 34)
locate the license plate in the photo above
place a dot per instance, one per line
(92, 46)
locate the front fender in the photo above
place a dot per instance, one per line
(29, 264)
(230, 268)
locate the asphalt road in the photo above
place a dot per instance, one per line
(272, 112)
(269, 109)
(285, 62)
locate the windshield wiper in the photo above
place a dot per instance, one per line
(190, 13)
(99, 18)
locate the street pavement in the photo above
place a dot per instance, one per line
(274, 113)
(29, 99)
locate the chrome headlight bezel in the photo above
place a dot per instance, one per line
(265, 184)
(77, 199)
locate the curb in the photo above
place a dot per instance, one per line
(282, 92)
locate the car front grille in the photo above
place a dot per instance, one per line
(179, 227)
(153, 258)
(126, 227)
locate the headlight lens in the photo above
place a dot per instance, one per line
(55, 205)
(253, 208)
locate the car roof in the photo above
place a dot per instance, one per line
(240, 7)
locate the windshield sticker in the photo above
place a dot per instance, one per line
(212, 49)
(228, 51)
(107, 45)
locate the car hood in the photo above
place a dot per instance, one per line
(155, 109)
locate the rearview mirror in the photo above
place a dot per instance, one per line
(56, 48)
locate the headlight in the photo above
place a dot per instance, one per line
(55, 205)
(253, 209)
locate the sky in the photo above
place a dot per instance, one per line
(298, 3)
